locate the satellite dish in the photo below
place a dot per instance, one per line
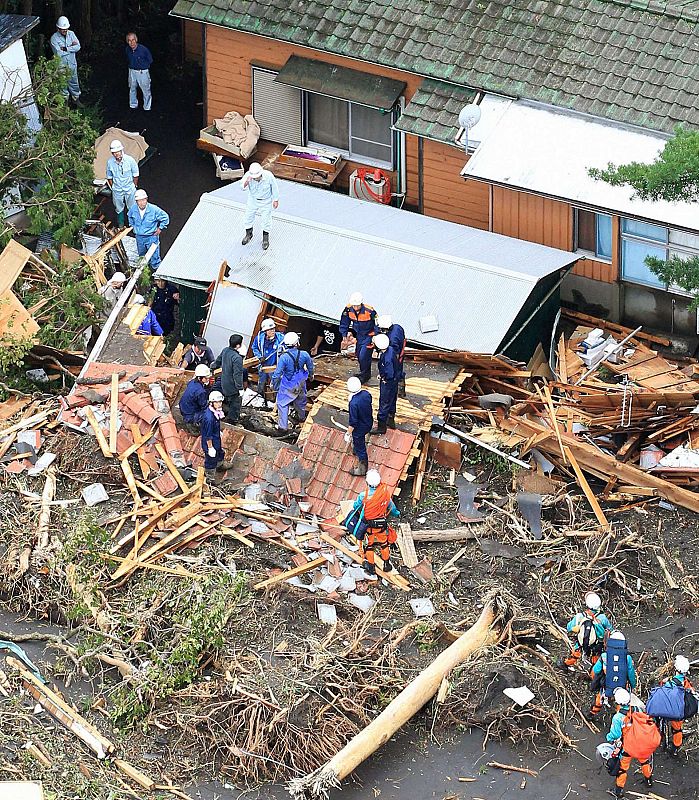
(469, 116)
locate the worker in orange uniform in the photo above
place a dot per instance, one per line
(359, 320)
(376, 506)
(678, 679)
(636, 737)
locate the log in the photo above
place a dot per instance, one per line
(448, 535)
(510, 768)
(483, 633)
(45, 514)
(138, 777)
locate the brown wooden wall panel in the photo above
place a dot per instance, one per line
(192, 39)
(229, 55)
(446, 194)
(596, 270)
(531, 217)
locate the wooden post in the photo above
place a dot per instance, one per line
(483, 633)
(114, 413)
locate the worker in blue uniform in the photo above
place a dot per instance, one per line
(361, 419)
(389, 377)
(149, 325)
(195, 398)
(359, 320)
(122, 178)
(396, 338)
(165, 298)
(266, 347)
(65, 44)
(263, 196)
(294, 370)
(148, 221)
(214, 454)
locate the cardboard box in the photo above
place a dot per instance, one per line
(211, 136)
(226, 173)
(304, 157)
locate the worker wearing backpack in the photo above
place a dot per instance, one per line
(680, 679)
(588, 627)
(613, 670)
(636, 737)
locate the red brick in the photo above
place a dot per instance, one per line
(77, 401)
(165, 484)
(124, 441)
(138, 405)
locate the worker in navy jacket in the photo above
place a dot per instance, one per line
(294, 370)
(360, 320)
(396, 338)
(195, 398)
(389, 374)
(361, 418)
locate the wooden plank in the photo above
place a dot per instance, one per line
(585, 486)
(406, 545)
(139, 440)
(135, 775)
(291, 573)
(172, 468)
(101, 439)
(180, 572)
(562, 360)
(448, 535)
(113, 412)
(596, 322)
(131, 482)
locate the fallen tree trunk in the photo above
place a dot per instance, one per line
(483, 633)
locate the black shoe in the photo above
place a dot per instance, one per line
(401, 388)
(379, 429)
(370, 569)
(248, 236)
(391, 422)
(78, 102)
(265, 240)
(387, 567)
(361, 468)
(649, 782)
(364, 377)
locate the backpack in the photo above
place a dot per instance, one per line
(666, 702)
(616, 667)
(640, 736)
(587, 635)
(355, 524)
(691, 704)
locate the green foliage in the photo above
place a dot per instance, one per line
(679, 271)
(198, 620)
(85, 542)
(52, 168)
(72, 307)
(673, 176)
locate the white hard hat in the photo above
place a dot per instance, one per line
(118, 277)
(354, 385)
(682, 664)
(116, 146)
(62, 24)
(202, 371)
(268, 324)
(139, 300)
(215, 397)
(617, 635)
(373, 478)
(621, 696)
(356, 299)
(593, 601)
(255, 170)
(141, 194)
(291, 339)
(381, 341)
(384, 321)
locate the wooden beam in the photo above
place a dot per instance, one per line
(291, 573)
(113, 412)
(101, 439)
(585, 486)
(139, 440)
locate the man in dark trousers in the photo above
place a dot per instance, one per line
(214, 454)
(165, 298)
(195, 398)
(231, 363)
(396, 338)
(389, 375)
(361, 418)
(359, 320)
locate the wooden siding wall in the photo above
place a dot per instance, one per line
(534, 218)
(229, 55)
(445, 194)
(192, 38)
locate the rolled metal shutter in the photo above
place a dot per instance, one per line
(277, 108)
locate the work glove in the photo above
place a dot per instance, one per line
(348, 437)
(212, 452)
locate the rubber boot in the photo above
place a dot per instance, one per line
(364, 377)
(211, 475)
(401, 388)
(379, 429)
(248, 236)
(224, 465)
(391, 422)
(618, 791)
(673, 751)
(360, 468)
(387, 566)
(265, 240)
(120, 219)
(78, 102)
(649, 782)
(370, 569)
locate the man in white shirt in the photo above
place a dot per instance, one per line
(263, 196)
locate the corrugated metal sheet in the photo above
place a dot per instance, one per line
(549, 152)
(324, 246)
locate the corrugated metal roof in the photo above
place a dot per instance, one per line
(549, 152)
(325, 245)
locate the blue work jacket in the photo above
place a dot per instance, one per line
(153, 218)
(361, 415)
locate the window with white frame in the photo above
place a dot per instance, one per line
(362, 133)
(593, 234)
(642, 239)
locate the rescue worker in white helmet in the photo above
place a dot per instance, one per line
(588, 627)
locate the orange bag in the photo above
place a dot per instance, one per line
(640, 735)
